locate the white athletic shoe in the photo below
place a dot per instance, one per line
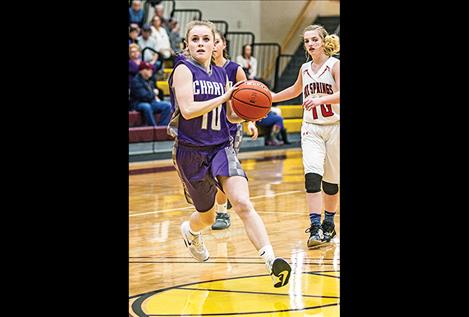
(195, 244)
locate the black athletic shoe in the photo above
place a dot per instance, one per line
(222, 221)
(328, 230)
(280, 272)
(316, 236)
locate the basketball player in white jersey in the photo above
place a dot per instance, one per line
(319, 81)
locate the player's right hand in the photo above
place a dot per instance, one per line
(232, 89)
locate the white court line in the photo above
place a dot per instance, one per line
(282, 212)
(132, 214)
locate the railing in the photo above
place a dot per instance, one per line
(184, 16)
(221, 26)
(266, 55)
(150, 49)
(280, 64)
(236, 40)
(337, 30)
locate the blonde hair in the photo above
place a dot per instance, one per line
(133, 45)
(195, 23)
(331, 42)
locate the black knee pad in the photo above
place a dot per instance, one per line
(330, 189)
(313, 182)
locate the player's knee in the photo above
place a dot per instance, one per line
(330, 189)
(313, 182)
(242, 206)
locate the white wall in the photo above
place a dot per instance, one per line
(269, 20)
(240, 15)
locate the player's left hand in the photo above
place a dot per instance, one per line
(253, 130)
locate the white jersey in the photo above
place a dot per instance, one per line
(322, 82)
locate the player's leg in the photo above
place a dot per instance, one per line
(314, 153)
(232, 178)
(222, 220)
(237, 191)
(202, 190)
(330, 185)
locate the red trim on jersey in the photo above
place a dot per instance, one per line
(327, 68)
(306, 71)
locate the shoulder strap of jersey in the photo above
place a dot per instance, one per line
(331, 61)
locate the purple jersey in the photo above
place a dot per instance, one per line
(210, 129)
(231, 70)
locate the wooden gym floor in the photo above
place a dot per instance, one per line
(164, 280)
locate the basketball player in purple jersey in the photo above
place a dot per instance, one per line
(235, 74)
(203, 155)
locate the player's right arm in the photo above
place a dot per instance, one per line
(182, 84)
(290, 92)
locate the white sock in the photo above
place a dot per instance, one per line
(267, 253)
(222, 208)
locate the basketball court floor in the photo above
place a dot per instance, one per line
(164, 280)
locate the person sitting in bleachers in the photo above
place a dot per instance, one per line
(136, 14)
(249, 64)
(134, 61)
(145, 40)
(133, 35)
(175, 36)
(159, 11)
(145, 99)
(274, 128)
(161, 37)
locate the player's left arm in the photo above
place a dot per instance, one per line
(230, 114)
(326, 99)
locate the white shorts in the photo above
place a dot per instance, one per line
(321, 150)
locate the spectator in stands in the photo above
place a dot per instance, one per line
(133, 35)
(136, 13)
(175, 36)
(143, 98)
(159, 11)
(161, 37)
(248, 62)
(134, 60)
(145, 40)
(283, 132)
(272, 126)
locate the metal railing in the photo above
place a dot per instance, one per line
(283, 60)
(266, 55)
(236, 40)
(337, 30)
(184, 16)
(221, 26)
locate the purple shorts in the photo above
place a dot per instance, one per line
(236, 133)
(198, 168)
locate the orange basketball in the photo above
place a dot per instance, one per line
(252, 100)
